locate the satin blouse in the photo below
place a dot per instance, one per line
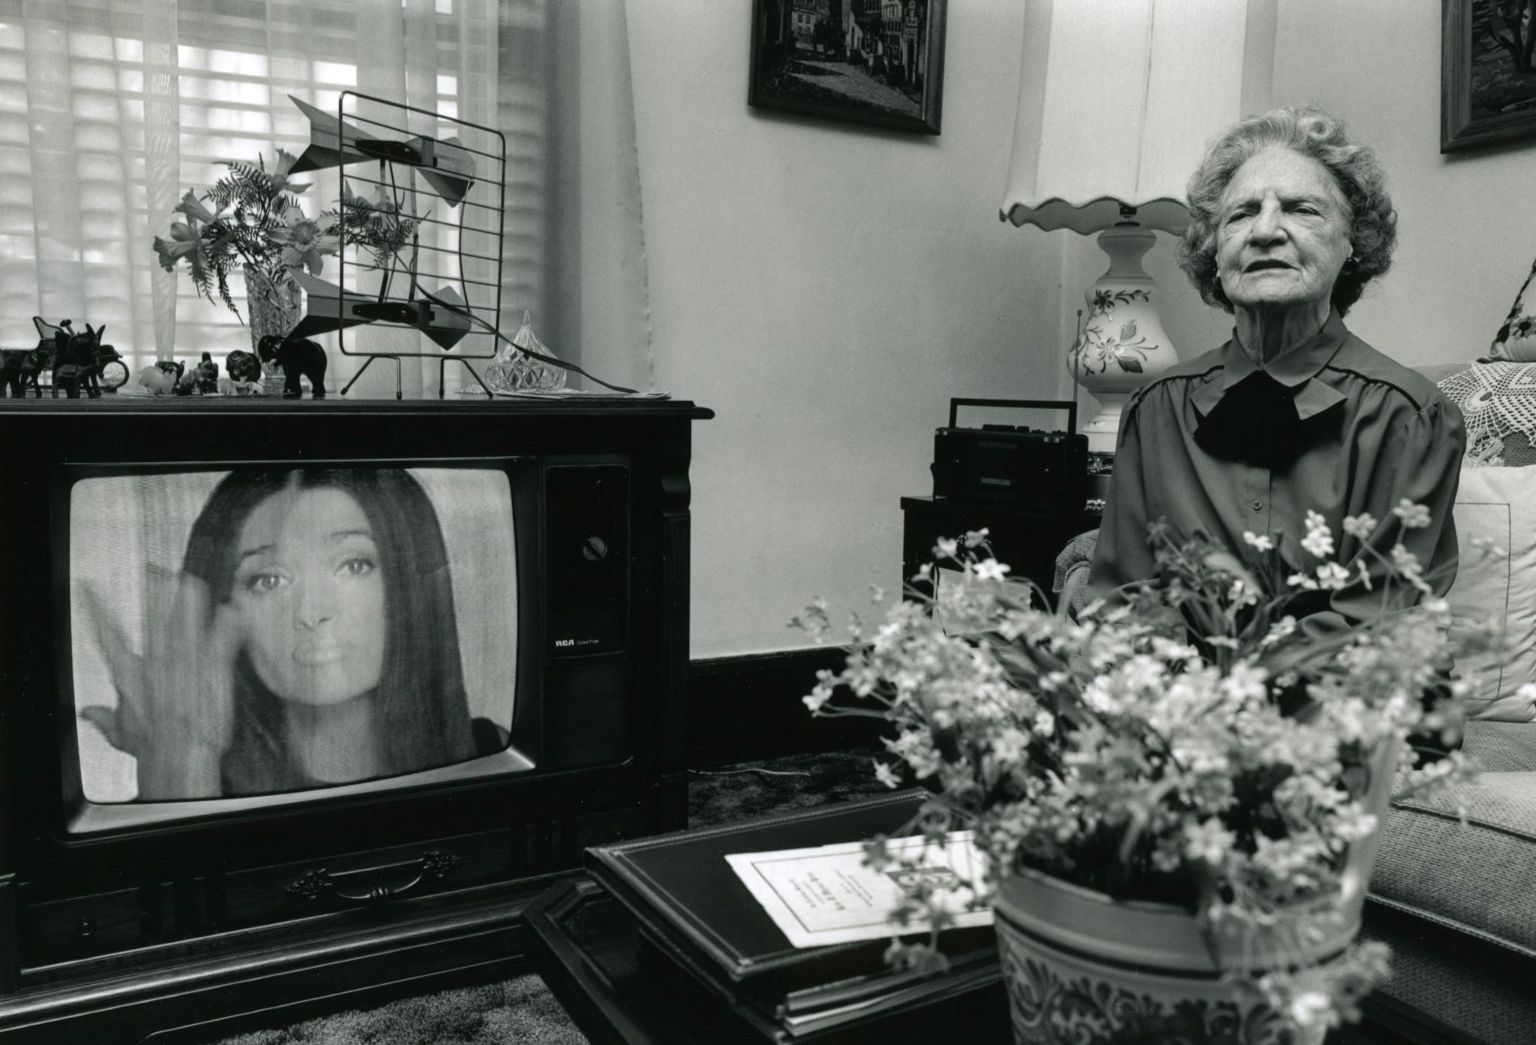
(1388, 434)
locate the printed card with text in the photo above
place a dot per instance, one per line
(828, 894)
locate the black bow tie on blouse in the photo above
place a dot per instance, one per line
(1255, 423)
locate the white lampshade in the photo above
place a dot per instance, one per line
(1118, 100)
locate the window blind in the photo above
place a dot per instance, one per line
(111, 109)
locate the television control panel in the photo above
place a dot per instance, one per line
(586, 549)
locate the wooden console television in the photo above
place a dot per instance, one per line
(126, 916)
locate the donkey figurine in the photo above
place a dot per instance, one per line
(76, 362)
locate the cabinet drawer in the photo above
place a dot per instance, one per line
(260, 896)
(81, 927)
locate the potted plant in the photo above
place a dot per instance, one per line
(1176, 795)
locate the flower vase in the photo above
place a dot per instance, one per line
(1084, 969)
(274, 308)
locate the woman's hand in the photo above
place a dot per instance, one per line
(175, 711)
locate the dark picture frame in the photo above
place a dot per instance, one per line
(877, 62)
(1487, 72)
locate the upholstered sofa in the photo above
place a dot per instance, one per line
(1455, 895)
(1454, 890)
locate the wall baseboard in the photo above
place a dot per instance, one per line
(746, 708)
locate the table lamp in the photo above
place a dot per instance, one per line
(1118, 100)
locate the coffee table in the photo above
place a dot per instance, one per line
(620, 990)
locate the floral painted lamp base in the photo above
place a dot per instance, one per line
(1122, 345)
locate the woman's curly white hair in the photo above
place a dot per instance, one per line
(1312, 132)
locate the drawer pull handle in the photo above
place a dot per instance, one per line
(433, 864)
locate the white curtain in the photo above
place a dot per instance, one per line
(110, 110)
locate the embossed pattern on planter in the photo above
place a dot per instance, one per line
(1060, 998)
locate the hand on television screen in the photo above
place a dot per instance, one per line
(175, 710)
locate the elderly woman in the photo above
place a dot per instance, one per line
(1294, 414)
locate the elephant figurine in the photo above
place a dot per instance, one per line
(299, 357)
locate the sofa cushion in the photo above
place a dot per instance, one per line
(1516, 338)
(1496, 512)
(1453, 901)
(1501, 747)
(1428, 856)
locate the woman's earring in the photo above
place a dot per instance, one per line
(1351, 265)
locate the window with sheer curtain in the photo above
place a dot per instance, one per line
(110, 110)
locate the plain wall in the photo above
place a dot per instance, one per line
(826, 288)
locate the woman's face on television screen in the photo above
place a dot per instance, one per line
(310, 595)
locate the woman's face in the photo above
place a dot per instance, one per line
(1282, 233)
(310, 596)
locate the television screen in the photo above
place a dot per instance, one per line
(268, 631)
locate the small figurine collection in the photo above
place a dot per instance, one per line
(244, 372)
(78, 364)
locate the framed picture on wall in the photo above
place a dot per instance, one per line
(1487, 72)
(870, 61)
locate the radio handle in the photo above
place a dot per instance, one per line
(1070, 406)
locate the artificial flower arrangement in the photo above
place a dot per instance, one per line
(1190, 745)
(250, 220)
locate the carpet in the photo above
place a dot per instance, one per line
(521, 1009)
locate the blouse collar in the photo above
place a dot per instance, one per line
(1296, 369)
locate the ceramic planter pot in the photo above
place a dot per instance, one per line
(1083, 969)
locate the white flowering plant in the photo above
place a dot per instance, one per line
(1192, 743)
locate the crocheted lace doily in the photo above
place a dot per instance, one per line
(1496, 400)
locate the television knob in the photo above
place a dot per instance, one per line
(594, 549)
